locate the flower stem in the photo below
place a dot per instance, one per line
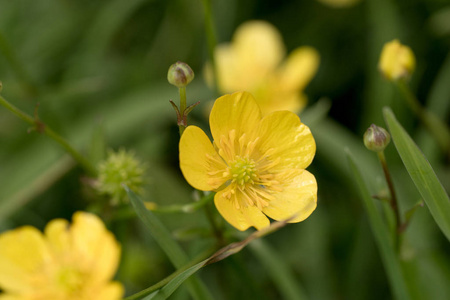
(393, 200)
(212, 41)
(434, 125)
(50, 133)
(183, 105)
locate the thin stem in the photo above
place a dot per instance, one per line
(50, 133)
(187, 208)
(214, 226)
(393, 200)
(434, 124)
(183, 105)
(212, 41)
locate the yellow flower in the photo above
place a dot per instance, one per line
(397, 61)
(253, 63)
(64, 263)
(256, 164)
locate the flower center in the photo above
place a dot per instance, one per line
(70, 279)
(243, 171)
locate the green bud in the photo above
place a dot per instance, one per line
(376, 138)
(119, 168)
(180, 74)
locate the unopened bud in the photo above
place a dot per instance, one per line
(180, 74)
(376, 138)
(397, 61)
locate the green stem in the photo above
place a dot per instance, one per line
(187, 208)
(393, 200)
(183, 105)
(17, 66)
(50, 133)
(434, 125)
(212, 41)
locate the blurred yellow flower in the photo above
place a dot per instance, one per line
(256, 164)
(64, 263)
(397, 61)
(253, 63)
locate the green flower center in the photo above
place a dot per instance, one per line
(243, 171)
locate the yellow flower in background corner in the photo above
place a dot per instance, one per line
(397, 61)
(256, 164)
(74, 262)
(253, 62)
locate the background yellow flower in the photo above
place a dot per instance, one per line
(253, 62)
(256, 164)
(66, 262)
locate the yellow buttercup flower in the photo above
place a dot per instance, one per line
(253, 62)
(256, 164)
(397, 61)
(66, 262)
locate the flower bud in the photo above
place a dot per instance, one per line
(376, 138)
(119, 168)
(397, 61)
(180, 74)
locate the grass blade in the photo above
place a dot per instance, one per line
(380, 231)
(163, 237)
(421, 173)
(280, 272)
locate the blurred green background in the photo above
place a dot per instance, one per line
(98, 70)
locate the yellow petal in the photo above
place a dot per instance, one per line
(112, 291)
(87, 233)
(299, 196)
(299, 69)
(238, 112)
(241, 218)
(22, 252)
(58, 235)
(284, 136)
(107, 259)
(259, 48)
(229, 77)
(195, 146)
(291, 101)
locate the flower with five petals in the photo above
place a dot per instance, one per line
(254, 62)
(255, 164)
(73, 262)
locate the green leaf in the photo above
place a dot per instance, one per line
(280, 272)
(169, 288)
(421, 173)
(164, 238)
(381, 233)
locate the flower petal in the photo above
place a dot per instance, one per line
(238, 112)
(259, 48)
(195, 146)
(299, 69)
(284, 136)
(241, 218)
(22, 252)
(58, 235)
(299, 196)
(112, 291)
